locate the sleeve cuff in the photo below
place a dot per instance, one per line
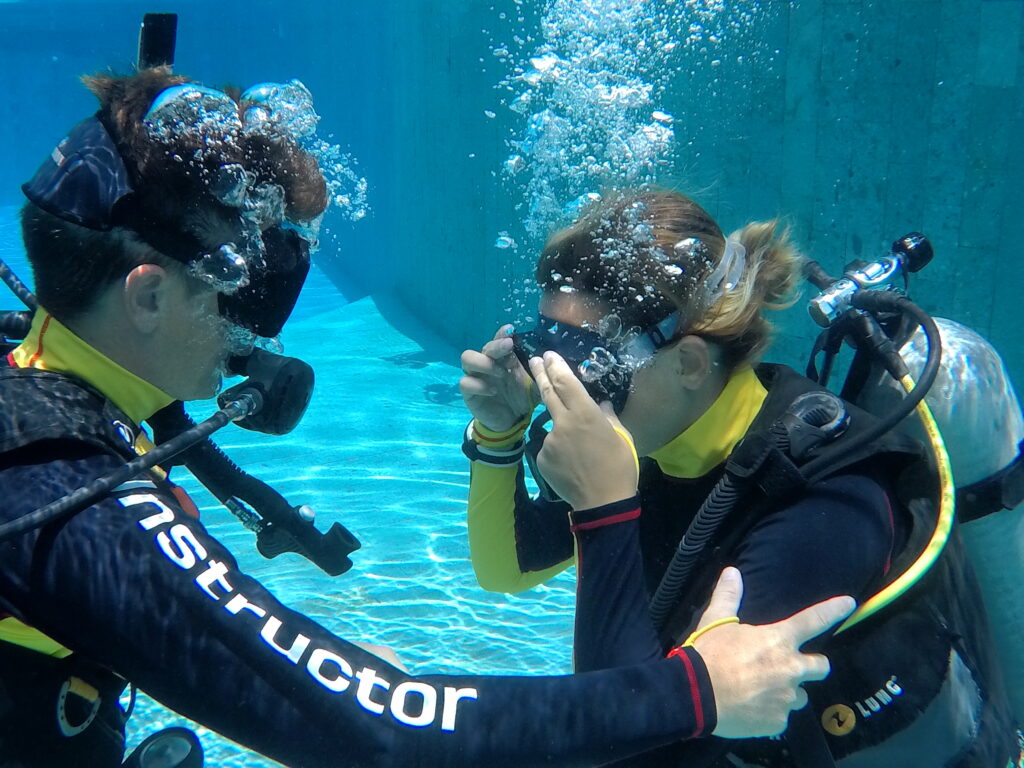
(607, 514)
(705, 713)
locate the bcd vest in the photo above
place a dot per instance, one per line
(58, 711)
(915, 684)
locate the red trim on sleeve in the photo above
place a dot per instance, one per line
(10, 360)
(691, 675)
(611, 520)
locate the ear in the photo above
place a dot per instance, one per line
(695, 361)
(145, 293)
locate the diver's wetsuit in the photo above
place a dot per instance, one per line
(136, 585)
(840, 536)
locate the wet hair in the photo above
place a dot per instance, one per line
(72, 265)
(648, 253)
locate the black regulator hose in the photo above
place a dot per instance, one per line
(245, 404)
(283, 529)
(17, 287)
(887, 301)
(709, 518)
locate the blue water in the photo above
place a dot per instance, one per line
(378, 451)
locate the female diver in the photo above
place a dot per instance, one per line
(647, 306)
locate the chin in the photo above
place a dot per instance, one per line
(206, 390)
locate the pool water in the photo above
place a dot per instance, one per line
(378, 451)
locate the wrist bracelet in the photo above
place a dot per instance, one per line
(697, 633)
(492, 457)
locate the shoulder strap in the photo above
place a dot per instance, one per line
(37, 405)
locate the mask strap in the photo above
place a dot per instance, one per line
(726, 275)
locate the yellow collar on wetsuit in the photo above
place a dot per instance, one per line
(711, 438)
(50, 346)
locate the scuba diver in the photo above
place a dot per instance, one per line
(167, 233)
(673, 452)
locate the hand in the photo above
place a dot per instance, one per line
(757, 671)
(585, 460)
(382, 652)
(495, 388)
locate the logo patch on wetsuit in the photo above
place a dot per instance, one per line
(838, 720)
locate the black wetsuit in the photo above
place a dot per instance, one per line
(841, 535)
(140, 591)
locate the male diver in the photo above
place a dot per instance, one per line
(165, 233)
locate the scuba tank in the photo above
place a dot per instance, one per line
(976, 407)
(977, 412)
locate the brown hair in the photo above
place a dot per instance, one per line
(647, 253)
(72, 265)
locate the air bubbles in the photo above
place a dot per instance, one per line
(514, 164)
(504, 242)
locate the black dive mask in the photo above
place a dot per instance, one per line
(605, 367)
(582, 349)
(85, 181)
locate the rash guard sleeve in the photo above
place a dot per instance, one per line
(135, 584)
(515, 542)
(835, 540)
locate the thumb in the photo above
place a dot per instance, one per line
(725, 600)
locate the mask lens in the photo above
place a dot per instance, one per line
(192, 108)
(280, 109)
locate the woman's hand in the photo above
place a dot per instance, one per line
(495, 388)
(588, 459)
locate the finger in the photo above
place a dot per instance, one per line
(725, 600)
(818, 667)
(498, 348)
(506, 330)
(548, 396)
(800, 700)
(812, 621)
(479, 364)
(569, 388)
(471, 386)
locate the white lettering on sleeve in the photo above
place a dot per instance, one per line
(184, 555)
(299, 645)
(214, 574)
(314, 666)
(165, 515)
(427, 711)
(364, 693)
(452, 696)
(238, 603)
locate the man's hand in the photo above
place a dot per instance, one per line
(495, 388)
(757, 671)
(588, 459)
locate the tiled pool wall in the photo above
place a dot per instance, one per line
(860, 120)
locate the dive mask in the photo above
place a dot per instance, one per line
(259, 274)
(604, 366)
